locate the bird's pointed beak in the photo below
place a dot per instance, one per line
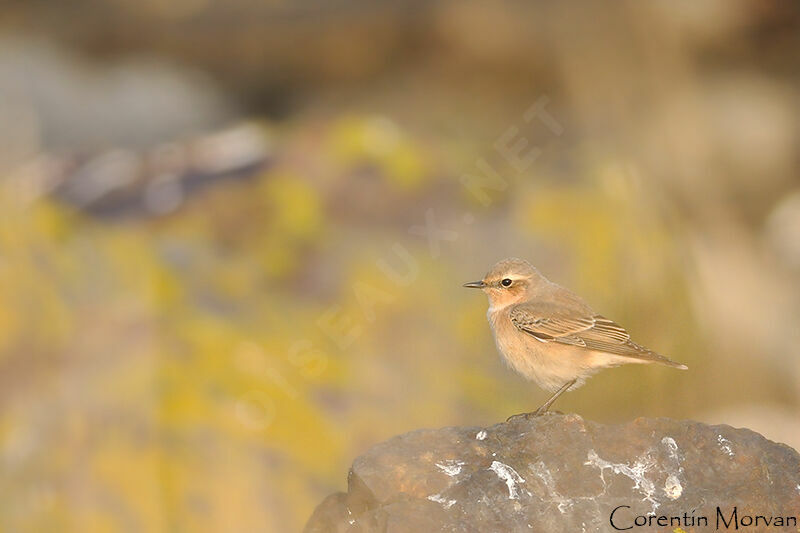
(475, 285)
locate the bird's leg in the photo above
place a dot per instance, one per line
(546, 405)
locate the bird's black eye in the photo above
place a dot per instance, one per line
(506, 282)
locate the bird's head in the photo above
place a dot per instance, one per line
(508, 282)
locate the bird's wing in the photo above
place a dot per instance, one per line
(537, 323)
(595, 332)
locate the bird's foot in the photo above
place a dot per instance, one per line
(523, 416)
(533, 414)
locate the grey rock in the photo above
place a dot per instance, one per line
(562, 473)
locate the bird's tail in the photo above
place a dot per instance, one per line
(648, 356)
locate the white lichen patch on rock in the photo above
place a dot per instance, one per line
(672, 487)
(725, 445)
(542, 472)
(672, 448)
(511, 478)
(637, 472)
(451, 467)
(438, 498)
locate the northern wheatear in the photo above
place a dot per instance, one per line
(550, 335)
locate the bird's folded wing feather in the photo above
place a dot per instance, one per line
(591, 332)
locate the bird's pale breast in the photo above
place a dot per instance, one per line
(549, 365)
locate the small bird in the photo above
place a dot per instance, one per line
(550, 335)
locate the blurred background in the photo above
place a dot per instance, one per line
(234, 234)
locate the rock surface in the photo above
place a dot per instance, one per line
(561, 473)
